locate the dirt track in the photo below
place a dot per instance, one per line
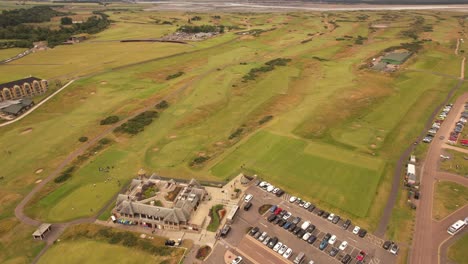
(430, 234)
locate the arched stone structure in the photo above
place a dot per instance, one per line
(37, 87)
(7, 94)
(27, 91)
(17, 92)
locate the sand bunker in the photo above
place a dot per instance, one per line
(155, 149)
(26, 131)
(38, 181)
(103, 82)
(173, 136)
(39, 171)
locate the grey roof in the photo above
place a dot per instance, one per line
(174, 215)
(41, 229)
(26, 101)
(13, 109)
(19, 82)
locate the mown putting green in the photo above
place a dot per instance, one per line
(287, 162)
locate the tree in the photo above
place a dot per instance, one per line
(66, 21)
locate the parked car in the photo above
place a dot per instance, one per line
(278, 210)
(387, 244)
(282, 213)
(327, 237)
(301, 233)
(296, 230)
(361, 256)
(311, 208)
(282, 249)
(287, 225)
(310, 229)
(287, 254)
(346, 259)
(336, 219)
(237, 260)
(301, 203)
(257, 235)
(263, 236)
(287, 215)
(273, 242)
(306, 236)
(334, 251)
(270, 188)
(272, 208)
(279, 193)
(311, 239)
(281, 222)
(266, 240)
(296, 220)
(343, 245)
(332, 240)
(292, 199)
(271, 218)
(394, 249)
(346, 224)
(331, 216)
(305, 225)
(253, 231)
(325, 214)
(275, 191)
(225, 230)
(306, 205)
(277, 246)
(356, 230)
(247, 206)
(320, 212)
(248, 198)
(323, 245)
(362, 233)
(292, 227)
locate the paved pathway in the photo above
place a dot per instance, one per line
(36, 106)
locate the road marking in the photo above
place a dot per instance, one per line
(264, 225)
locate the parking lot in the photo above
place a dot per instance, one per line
(258, 252)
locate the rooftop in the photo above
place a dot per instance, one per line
(41, 229)
(19, 82)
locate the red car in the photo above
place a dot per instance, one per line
(278, 210)
(361, 256)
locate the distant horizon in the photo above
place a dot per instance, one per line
(341, 2)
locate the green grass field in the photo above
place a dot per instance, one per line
(448, 197)
(456, 164)
(96, 252)
(335, 133)
(308, 172)
(457, 252)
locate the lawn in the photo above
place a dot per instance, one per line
(96, 252)
(290, 164)
(448, 197)
(457, 252)
(8, 53)
(456, 164)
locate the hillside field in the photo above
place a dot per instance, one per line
(321, 120)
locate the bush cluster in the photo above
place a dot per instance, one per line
(162, 105)
(265, 119)
(110, 120)
(83, 139)
(269, 66)
(236, 133)
(199, 160)
(137, 124)
(175, 75)
(65, 175)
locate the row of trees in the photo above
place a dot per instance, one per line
(35, 14)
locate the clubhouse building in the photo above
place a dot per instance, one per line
(27, 87)
(172, 205)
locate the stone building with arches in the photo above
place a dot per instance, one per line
(27, 87)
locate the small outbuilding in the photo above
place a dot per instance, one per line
(41, 231)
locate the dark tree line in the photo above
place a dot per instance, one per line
(25, 35)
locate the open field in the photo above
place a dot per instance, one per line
(456, 164)
(448, 197)
(104, 245)
(335, 129)
(8, 53)
(333, 180)
(457, 252)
